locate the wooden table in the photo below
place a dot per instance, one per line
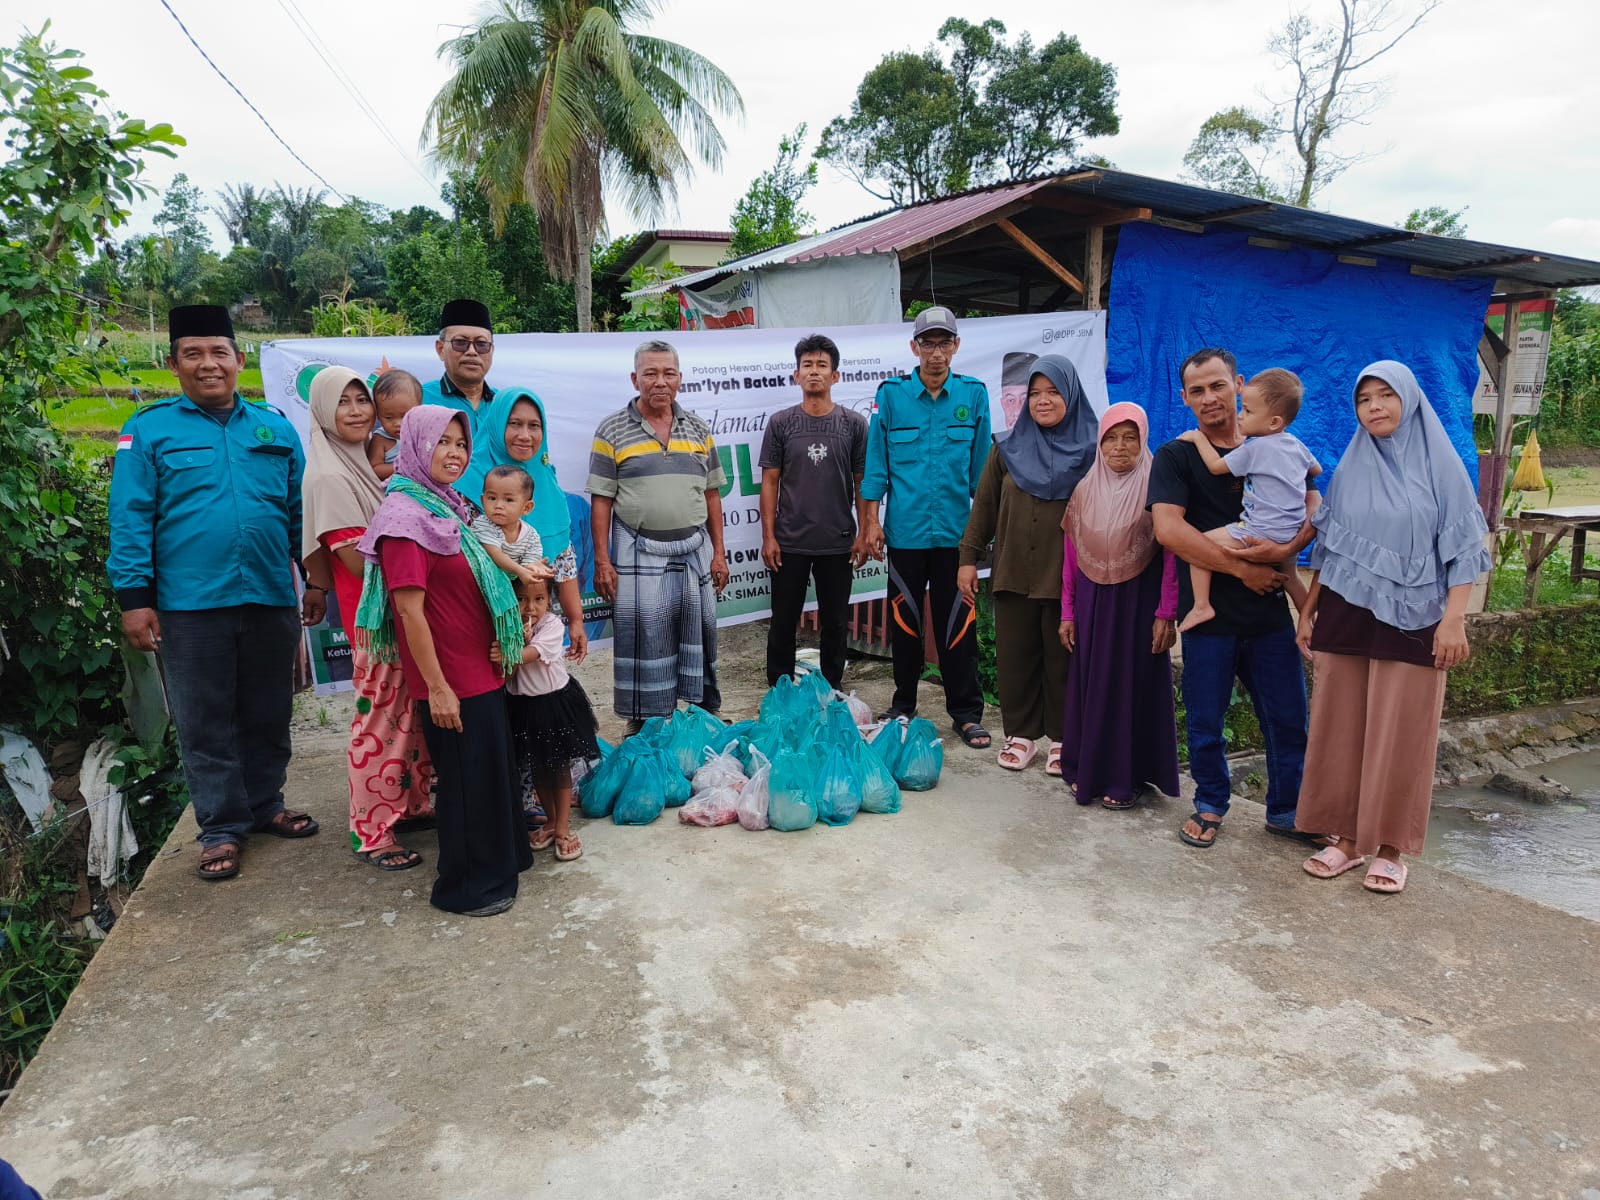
(1545, 528)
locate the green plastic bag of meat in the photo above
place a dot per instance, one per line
(790, 804)
(838, 787)
(922, 757)
(879, 792)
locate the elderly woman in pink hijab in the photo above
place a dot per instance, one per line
(1119, 599)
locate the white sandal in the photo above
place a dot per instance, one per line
(1019, 762)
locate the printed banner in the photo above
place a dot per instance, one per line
(735, 379)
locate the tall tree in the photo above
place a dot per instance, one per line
(1043, 102)
(242, 210)
(1330, 91)
(1437, 219)
(1333, 89)
(921, 127)
(769, 213)
(554, 100)
(896, 140)
(1234, 152)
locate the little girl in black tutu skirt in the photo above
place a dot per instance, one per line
(552, 723)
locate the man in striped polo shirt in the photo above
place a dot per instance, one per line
(657, 518)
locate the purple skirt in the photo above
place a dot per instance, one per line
(1118, 729)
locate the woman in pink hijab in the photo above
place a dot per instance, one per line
(1119, 599)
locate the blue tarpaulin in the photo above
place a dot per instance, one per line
(1174, 292)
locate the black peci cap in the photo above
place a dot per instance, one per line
(199, 320)
(474, 313)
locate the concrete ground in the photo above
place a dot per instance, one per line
(994, 993)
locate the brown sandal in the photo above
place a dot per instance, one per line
(290, 824)
(542, 837)
(227, 852)
(568, 847)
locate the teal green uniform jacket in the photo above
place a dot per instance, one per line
(925, 456)
(205, 513)
(442, 392)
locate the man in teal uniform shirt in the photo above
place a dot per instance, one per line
(205, 537)
(465, 346)
(926, 447)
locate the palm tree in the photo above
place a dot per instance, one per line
(240, 208)
(554, 101)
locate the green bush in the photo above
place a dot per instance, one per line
(69, 178)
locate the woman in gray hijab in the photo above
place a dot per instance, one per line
(1400, 542)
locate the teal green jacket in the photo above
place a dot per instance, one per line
(205, 511)
(925, 456)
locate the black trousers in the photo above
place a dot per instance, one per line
(230, 687)
(483, 836)
(955, 630)
(789, 582)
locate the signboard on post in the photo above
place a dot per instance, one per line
(735, 380)
(1532, 353)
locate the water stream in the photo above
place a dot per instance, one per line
(1544, 852)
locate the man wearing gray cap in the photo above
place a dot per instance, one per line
(926, 447)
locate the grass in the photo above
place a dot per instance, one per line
(1574, 486)
(100, 416)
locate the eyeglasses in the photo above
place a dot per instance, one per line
(462, 344)
(937, 345)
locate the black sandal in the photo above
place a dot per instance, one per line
(1112, 802)
(1320, 840)
(386, 860)
(1205, 822)
(971, 732)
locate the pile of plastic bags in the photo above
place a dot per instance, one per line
(813, 755)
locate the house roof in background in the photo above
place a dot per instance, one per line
(643, 240)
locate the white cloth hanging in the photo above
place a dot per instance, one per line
(25, 772)
(111, 839)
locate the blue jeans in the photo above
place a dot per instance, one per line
(230, 676)
(1269, 667)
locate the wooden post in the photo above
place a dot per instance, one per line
(1536, 557)
(1502, 410)
(1094, 240)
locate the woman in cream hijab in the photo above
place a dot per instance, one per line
(390, 774)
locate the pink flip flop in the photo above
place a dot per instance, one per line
(1331, 863)
(1386, 877)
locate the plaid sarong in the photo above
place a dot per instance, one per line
(665, 623)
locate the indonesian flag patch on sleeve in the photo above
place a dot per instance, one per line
(125, 442)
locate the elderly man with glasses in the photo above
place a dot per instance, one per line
(926, 447)
(466, 348)
(655, 479)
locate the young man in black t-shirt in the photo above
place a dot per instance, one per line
(812, 459)
(1252, 636)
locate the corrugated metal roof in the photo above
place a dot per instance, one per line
(899, 229)
(1329, 231)
(902, 228)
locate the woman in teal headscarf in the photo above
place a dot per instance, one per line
(511, 433)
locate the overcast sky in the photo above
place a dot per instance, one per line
(1491, 106)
